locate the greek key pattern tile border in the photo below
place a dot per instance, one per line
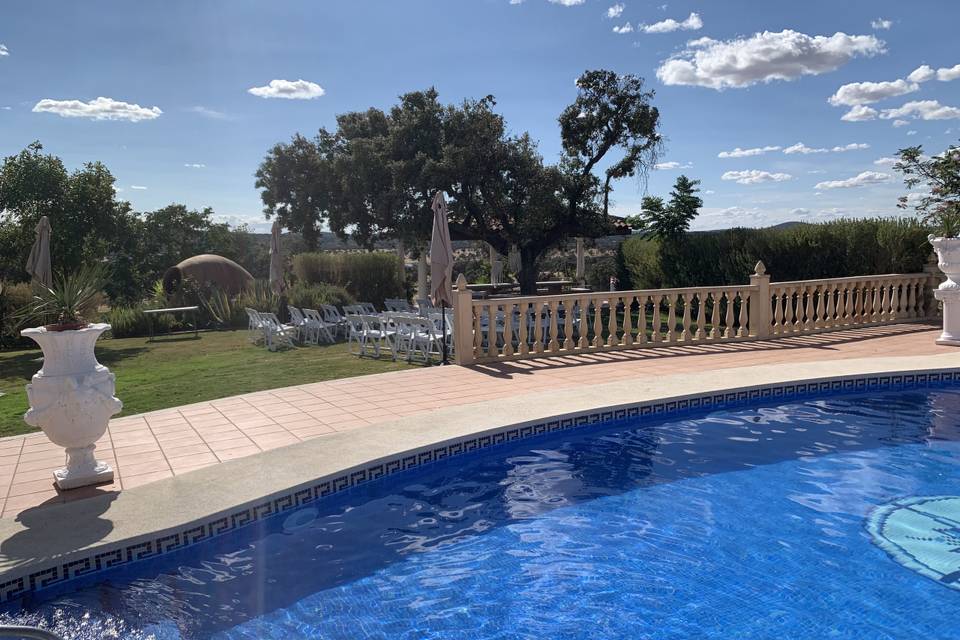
(197, 532)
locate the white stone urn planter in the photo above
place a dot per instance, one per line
(948, 259)
(71, 399)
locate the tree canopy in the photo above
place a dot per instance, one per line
(669, 221)
(939, 206)
(375, 175)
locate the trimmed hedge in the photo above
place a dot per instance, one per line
(132, 322)
(311, 296)
(368, 277)
(802, 252)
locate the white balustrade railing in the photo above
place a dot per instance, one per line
(488, 330)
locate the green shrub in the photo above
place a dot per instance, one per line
(311, 296)
(13, 297)
(369, 277)
(260, 297)
(802, 252)
(132, 322)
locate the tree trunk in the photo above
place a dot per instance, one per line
(528, 272)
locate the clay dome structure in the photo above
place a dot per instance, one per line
(221, 272)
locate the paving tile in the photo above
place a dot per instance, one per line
(145, 478)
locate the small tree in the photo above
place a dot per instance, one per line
(668, 222)
(940, 206)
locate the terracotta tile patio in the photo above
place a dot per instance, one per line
(157, 445)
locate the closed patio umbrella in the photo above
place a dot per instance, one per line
(441, 264)
(38, 263)
(276, 259)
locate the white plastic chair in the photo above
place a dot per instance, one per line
(368, 308)
(424, 339)
(299, 323)
(254, 325)
(376, 333)
(275, 333)
(316, 324)
(397, 305)
(334, 319)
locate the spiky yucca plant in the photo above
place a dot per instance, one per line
(68, 302)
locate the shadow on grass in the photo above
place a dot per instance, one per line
(25, 364)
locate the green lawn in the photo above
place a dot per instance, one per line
(180, 370)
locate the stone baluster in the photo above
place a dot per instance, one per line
(778, 316)
(911, 309)
(641, 320)
(832, 294)
(671, 317)
(523, 343)
(685, 322)
(728, 329)
(612, 337)
(568, 325)
(744, 304)
(715, 316)
(478, 329)
(584, 327)
(537, 327)
(492, 347)
(819, 305)
(701, 316)
(553, 309)
(808, 294)
(628, 320)
(656, 321)
(508, 330)
(597, 323)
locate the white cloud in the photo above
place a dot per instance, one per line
(209, 113)
(880, 23)
(799, 212)
(946, 74)
(921, 74)
(615, 11)
(625, 28)
(195, 165)
(568, 3)
(3, 50)
(804, 149)
(764, 57)
(857, 93)
(900, 123)
(861, 180)
(289, 90)
(692, 23)
(754, 176)
(853, 146)
(925, 72)
(859, 113)
(99, 109)
(911, 133)
(923, 109)
(885, 161)
(746, 153)
(672, 165)
(137, 187)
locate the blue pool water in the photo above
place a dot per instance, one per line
(745, 523)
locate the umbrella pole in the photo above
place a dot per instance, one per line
(443, 331)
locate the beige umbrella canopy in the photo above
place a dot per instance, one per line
(38, 263)
(441, 254)
(276, 259)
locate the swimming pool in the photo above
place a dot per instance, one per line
(819, 518)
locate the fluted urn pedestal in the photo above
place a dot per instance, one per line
(948, 293)
(71, 399)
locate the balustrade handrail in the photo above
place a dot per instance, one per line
(870, 278)
(491, 329)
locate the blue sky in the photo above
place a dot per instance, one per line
(198, 133)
